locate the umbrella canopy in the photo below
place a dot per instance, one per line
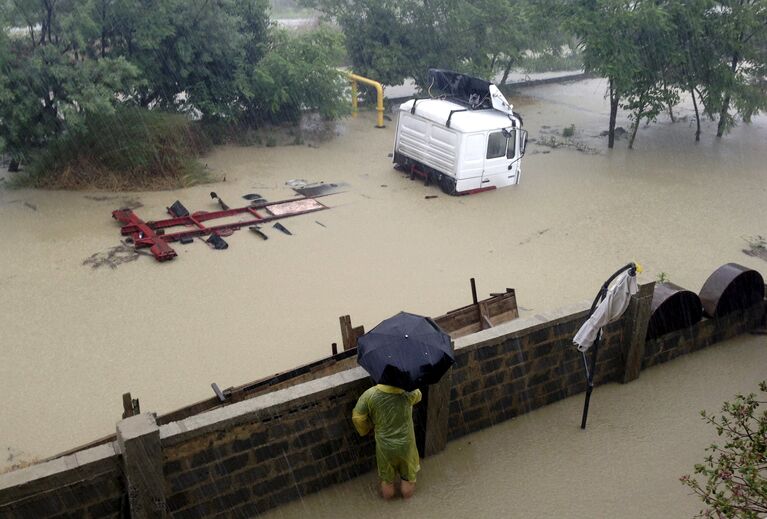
(406, 351)
(615, 302)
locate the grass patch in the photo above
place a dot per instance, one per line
(569, 131)
(131, 149)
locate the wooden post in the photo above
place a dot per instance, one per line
(350, 335)
(484, 316)
(637, 318)
(437, 411)
(131, 406)
(346, 331)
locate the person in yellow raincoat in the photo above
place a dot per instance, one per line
(388, 411)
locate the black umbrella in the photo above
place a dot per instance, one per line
(406, 351)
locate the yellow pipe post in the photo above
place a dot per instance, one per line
(379, 94)
(354, 98)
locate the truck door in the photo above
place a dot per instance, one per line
(496, 172)
(504, 153)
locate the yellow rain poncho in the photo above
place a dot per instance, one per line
(388, 411)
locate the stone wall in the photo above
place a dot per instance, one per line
(250, 456)
(702, 334)
(529, 363)
(254, 455)
(88, 484)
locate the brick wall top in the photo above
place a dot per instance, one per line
(260, 406)
(520, 327)
(269, 403)
(66, 470)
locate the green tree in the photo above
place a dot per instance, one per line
(649, 91)
(190, 53)
(51, 80)
(392, 40)
(735, 474)
(296, 74)
(738, 29)
(694, 56)
(631, 44)
(605, 32)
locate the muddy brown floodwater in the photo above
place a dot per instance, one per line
(77, 333)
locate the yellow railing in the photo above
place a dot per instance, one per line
(379, 94)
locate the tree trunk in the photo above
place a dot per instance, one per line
(637, 120)
(670, 106)
(722, 126)
(726, 104)
(634, 133)
(613, 114)
(506, 71)
(49, 22)
(697, 115)
(103, 28)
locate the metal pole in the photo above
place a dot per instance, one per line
(590, 380)
(631, 267)
(354, 98)
(379, 96)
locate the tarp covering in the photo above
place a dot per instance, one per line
(464, 88)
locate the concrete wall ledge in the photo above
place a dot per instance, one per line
(259, 407)
(66, 470)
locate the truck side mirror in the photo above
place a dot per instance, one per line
(522, 141)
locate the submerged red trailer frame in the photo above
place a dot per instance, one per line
(153, 234)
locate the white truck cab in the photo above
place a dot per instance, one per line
(465, 142)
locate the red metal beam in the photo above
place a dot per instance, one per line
(151, 234)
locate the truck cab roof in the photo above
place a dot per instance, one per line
(463, 120)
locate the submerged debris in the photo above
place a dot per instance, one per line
(757, 247)
(26, 204)
(282, 228)
(114, 256)
(319, 189)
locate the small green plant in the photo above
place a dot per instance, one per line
(569, 131)
(662, 277)
(271, 142)
(734, 475)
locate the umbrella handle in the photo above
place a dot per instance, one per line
(632, 270)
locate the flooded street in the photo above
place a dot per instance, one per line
(76, 337)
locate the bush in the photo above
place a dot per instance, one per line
(131, 149)
(734, 475)
(569, 131)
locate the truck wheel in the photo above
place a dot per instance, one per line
(447, 184)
